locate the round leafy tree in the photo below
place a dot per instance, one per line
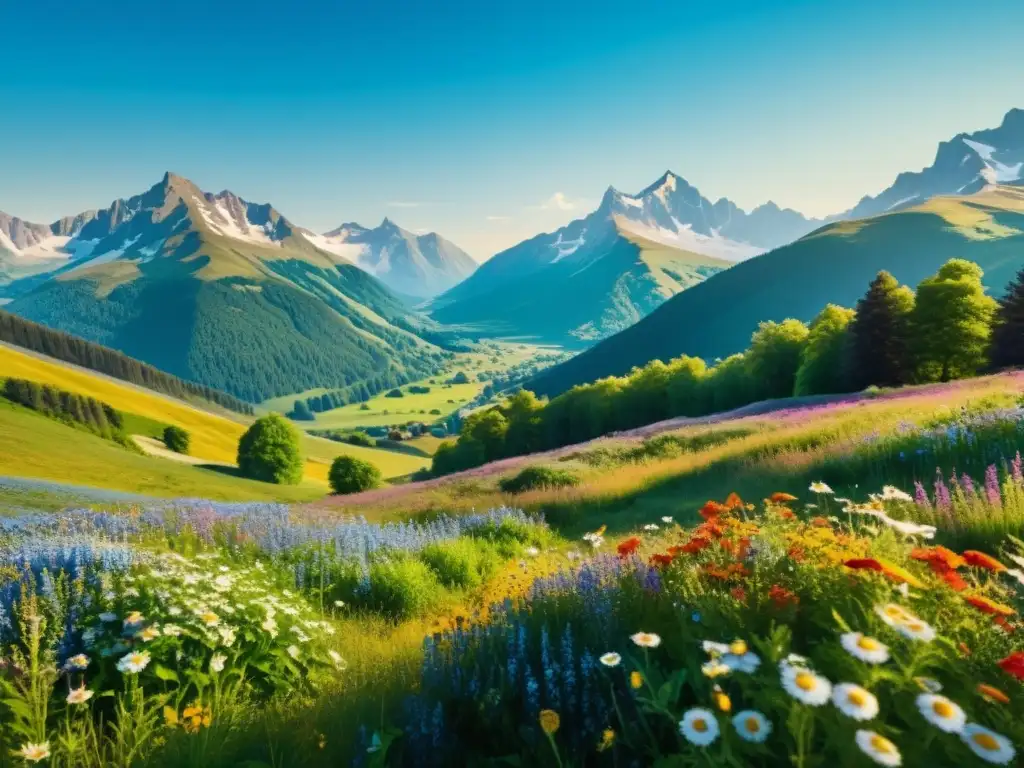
(269, 451)
(177, 439)
(351, 475)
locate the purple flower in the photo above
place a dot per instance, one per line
(1018, 469)
(992, 486)
(921, 496)
(942, 498)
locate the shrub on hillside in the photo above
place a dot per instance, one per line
(270, 451)
(401, 587)
(395, 393)
(360, 438)
(533, 478)
(461, 563)
(351, 475)
(177, 439)
(418, 389)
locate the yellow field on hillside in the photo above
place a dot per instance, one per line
(213, 437)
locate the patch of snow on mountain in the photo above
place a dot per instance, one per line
(383, 265)
(631, 201)
(901, 202)
(6, 244)
(687, 240)
(336, 245)
(108, 256)
(48, 248)
(250, 233)
(151, 250)
(567, 247)
(996, 172)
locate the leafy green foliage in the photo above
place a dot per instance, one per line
(177, 439)
(70, 349)
(880, 335)
(351, 475)
(1007, 348)
(462, 563)
(951, 322)
(533, 478)
(403, 586)
(774, 357)
(270, 451)
(823, 360)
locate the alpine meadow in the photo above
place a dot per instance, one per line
(457, 431)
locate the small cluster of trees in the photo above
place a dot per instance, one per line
(177, 439)
(271, 451)
(948, 329)
(306, 410)
(71, 349)
(73, 409)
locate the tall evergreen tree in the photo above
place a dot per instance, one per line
(952, 322)
(1007, 347)
(879, 351)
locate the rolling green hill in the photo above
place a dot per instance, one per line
(229, 294)
(831, 265)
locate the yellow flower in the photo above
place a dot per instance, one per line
(607, 740)
(549, 721)
(738, 647)
(636, 679)
(195, 717)
(321, 740)
(721, 700)
(170, 717)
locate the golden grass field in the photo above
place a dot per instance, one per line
(214, 437)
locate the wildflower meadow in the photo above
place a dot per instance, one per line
(850, 594)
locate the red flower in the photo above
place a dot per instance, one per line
(695, 545)
(733, 501)
(989, 607)
(859, 563)
(1007, 626)
(820, 522)
(739, 593)
(786, 514)
(628, 547)
(1014, 665)
(953, 579)
(781, 498)
(797, 553)
(939, 558)
(661, 561)
(782, 597)
(981, 560)
(712, 510)
(710, 530)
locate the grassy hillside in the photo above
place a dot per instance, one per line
(572, 304)
(832, 265)
(213, 437)
(34, 446)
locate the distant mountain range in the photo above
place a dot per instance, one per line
(217, 290)
(599, 274)
(419, 266)
(832, 265)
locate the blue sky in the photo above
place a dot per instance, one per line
(490, 121)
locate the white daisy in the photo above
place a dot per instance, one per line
(217, 662)
(79, 661)
(941, 712)
(646, 639)
(714, 649)
(532, 551)
(699, 726)
(819, 487)
(910, 529)
(894, 614)
(667, 520)
(752, 726)
(651, 527)
(892, 493)
(172, 630)
(1017, 574)
(878, 748)
(339, 662)
(293, 651)
(79, 695)
(33, 753)
(915, 629)
(806, 686)
(611, 659)
(133, 662)
(865, 648)
(988, 745)
(854, 701)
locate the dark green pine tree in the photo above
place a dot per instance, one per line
(880, 351)
(1007, 349)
